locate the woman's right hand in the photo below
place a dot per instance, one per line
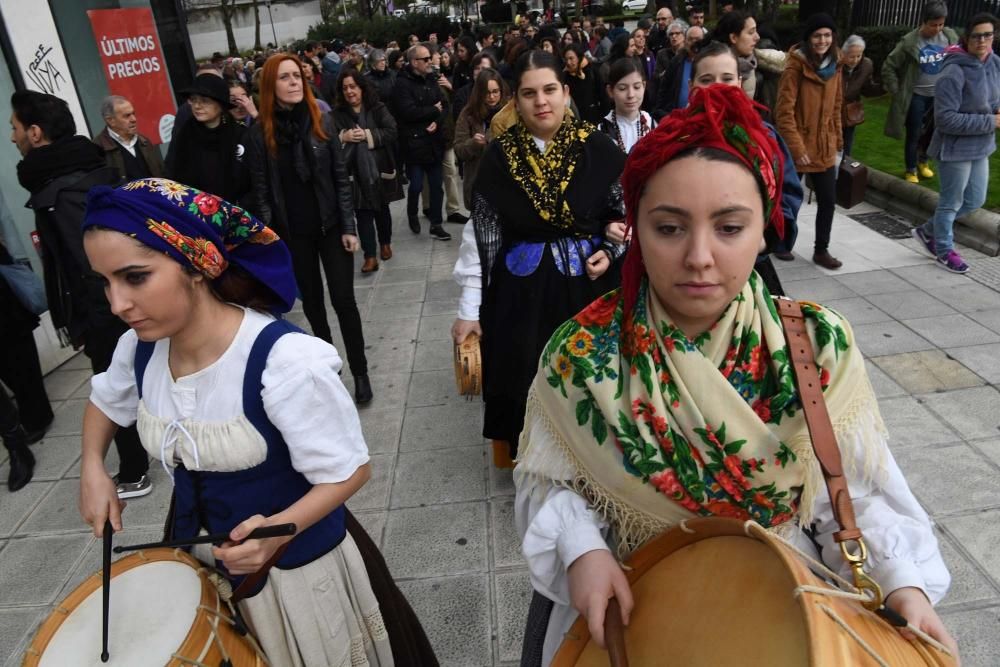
(594, 578)
(996, 120)
(479, 138)
(462, 328)
(615, 231)
(804, 161)
(99, 500)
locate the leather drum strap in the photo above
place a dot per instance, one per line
(821, 433)
(249, 583)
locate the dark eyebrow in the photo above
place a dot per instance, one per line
(130, 267)
(735, 208)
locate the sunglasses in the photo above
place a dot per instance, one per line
(423, 59)
(981, 35)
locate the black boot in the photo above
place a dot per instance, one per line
(362, 389)
(412, 204)
(22, 461)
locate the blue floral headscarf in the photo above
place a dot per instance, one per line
(195, 228)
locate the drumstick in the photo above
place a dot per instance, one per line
(614, 634)
(106, 589)
(278, 530)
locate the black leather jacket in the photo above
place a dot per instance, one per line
(331, 183)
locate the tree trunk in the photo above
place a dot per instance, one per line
(228, 10)
(256, 25)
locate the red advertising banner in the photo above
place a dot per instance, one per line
(134, 67)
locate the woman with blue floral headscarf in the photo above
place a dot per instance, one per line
(246, 413)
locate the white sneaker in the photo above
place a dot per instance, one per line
(143, 487)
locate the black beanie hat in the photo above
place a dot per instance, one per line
(817, 21)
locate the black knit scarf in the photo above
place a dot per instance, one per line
(64, 156)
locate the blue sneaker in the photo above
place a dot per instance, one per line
(953, 262)
(926, 242)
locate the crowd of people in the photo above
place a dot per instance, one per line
(627, 191)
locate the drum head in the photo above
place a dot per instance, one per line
(717, 602)
(153, 607)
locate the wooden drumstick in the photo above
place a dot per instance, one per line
(614, 634)
(106, 589)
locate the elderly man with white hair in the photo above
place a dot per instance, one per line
(130, 153)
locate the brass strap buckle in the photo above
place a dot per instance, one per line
(862, 581)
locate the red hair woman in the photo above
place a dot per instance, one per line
(303, 191)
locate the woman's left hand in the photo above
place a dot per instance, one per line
(913, 605)
(615, 231)
(250, 556)
(597, 264)
(350, 242)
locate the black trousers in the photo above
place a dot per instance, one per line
(8, 416)
(368, 222)
(308, 254)
(99, 346)
(21, 371)
(824, 186)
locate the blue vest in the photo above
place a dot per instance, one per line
(219, 501)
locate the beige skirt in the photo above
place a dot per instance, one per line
(323, 614)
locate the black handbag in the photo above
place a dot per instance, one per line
(852, 182)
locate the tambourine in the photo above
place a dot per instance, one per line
(469, 366)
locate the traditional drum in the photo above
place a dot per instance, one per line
(164, 611)
(718, 592)
(468, 366)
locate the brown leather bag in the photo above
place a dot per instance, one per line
(854, 113)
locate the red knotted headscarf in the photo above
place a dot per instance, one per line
(718, 116)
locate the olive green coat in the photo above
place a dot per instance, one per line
(899, 74)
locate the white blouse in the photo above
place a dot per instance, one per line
(557, 526)
(199, 418)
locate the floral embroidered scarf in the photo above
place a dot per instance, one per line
(544, 177)
(657, 427)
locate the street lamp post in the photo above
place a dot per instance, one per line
(270, 16)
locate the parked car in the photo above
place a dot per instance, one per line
(399, 13)
(635, 6)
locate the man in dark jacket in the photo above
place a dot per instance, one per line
(672, 93)
(420, 110)
(58, 169)
(131, 154)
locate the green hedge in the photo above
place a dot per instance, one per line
(880, 41)
(383, 29)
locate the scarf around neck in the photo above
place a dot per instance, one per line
(657, 427)
(544, 177)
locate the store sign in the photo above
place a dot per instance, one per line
(39, 53)
(134, 67)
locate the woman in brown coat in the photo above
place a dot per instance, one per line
(472, 130)
(808, 115)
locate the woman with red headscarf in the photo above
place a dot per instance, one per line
(673, 397)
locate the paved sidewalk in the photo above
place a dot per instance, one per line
(444, 517)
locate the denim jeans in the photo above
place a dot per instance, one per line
(368, 222)
(963, 189)
(919, 106)
(435, 175)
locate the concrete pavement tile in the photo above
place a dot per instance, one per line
(858, 311)
(434, 356)
(443, 290)
(399, 293)
(926, 276)
(374, 495)
(62, 384)
(977, 632)
(979, 534)
(501, 481)
(968, 298)
(989, 448)
(506, 543)
(874, 282)
(910, 304)
(383, 313)
(984, 360)
(381, 430)
(438, 426)
(436, 328)
(884, 386)
(53, 458)
(924, 372)
(949, 479)
(952, 331)
(513, 593)
(967, 583)
(58, 512)
(442, 271)
(974, 413)
(78, 361)
(819, 290)
(110, 462)
(389, 356)
(455, 614)
(910, 424)
(14, 507)
(436, 541)
(433, 388)
(83, 391)
(881, 338)
(54, 555)
(439, 476)
(988, 318)
(396, 330)
(389, 390)
(68, 418)
(389, 274)
(373, 523)
(16, 625)
(799, 269)
(445, 307)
